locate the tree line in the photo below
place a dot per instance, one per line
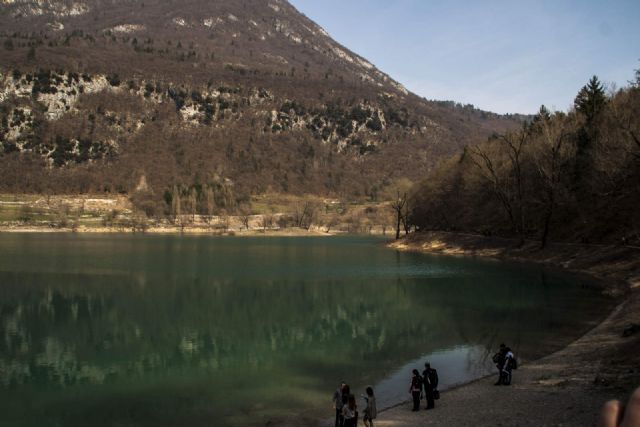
(568, 176)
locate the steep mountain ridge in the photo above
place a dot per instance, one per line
(95, 94)
(206, 25)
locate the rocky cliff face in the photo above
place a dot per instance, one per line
(105, 91)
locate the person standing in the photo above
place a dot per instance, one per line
(499, 359)
(338, 404)
(508, 365)
(430, 381)
(370, 411)
(350, 413)
(415, 389)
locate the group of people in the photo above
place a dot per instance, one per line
(428, 382)
(347, 410)
(422, 386)
(506, 362)
(613, 414)
(346, 407)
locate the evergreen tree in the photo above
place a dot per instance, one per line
(542, 116)
(591, 99)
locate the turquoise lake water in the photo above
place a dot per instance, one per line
(136, 330)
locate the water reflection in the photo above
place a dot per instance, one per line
(148, 330)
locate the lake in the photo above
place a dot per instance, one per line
(154, 330)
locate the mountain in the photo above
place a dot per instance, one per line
(248, 96)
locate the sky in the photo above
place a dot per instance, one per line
(505, 56)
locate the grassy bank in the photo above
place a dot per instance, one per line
(269, 214)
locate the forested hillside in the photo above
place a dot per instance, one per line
(233, 97)
(564, 176)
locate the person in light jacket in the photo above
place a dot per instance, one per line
(370, 411)
(507, 367)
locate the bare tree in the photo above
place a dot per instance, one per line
(398, 206)
(193, 204)
(305, 214)
(176, 204)
(515, 143)
(224, 222)
(406, 216)
(266, 221)
(499, 184)
(549, 157)
(210, 203)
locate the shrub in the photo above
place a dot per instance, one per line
(113, 79)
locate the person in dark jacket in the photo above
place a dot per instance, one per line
(338, 403)
(499, 359)
(415, 389)
(505, 362)
(430, 381)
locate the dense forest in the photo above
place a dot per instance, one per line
(564, 176)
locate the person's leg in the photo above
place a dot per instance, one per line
(431, 403)
(416, 400)
(499, 377)
(337, 418)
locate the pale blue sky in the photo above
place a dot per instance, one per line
(507, 56)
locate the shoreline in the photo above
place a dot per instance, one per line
(188, 231)
(191, 231)
(566, 387)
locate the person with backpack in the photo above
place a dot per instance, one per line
(509, 364)
(349, 412)
(430, 381)
(415, 389)
(499, 359)
(506, 362)
(370, 411)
